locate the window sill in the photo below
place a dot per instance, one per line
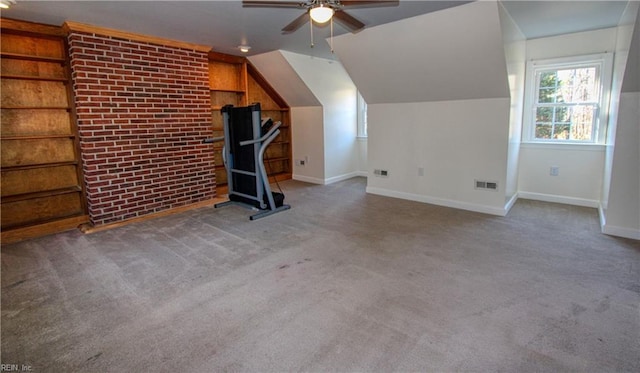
(562, 146)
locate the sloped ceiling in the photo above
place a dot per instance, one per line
(454, 54)
(222, 24)
(225, 24)
(284, 79)
(541, 18)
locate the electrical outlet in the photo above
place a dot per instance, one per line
(300, 162)
(554, 171)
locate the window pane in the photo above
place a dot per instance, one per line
(548, 79)
(543, 131)
(585, 85)
(577, 85)
(566, 98)
(582, 118)
(565, 122)
(544, 114)
(565, 85)
(561, 131)
(547, 95)
(563, 114)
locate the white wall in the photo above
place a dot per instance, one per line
(362, 146)
(331, 84)
(581, 167)
(455, 142)
(619, 64)
(515, 55)
(307, 121)
(623, 43)
(622, 215)
(579, 181)
(308, 143)
(442, 107)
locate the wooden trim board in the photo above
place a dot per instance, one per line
(88, 228)
(31, 27)
(81, 27)
(19, 234)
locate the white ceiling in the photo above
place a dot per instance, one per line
(224, 25)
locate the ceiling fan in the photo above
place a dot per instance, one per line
(321, 11)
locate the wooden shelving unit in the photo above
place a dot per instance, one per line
(233, 80)
(41, 171)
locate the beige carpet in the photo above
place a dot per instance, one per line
(344, 281)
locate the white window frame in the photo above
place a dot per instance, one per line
(361, 109)
(604, 62)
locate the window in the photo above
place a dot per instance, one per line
(362, 116)
(566, 99)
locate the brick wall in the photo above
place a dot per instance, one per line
(143, 110)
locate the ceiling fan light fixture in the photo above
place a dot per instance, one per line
(5, 4)
(244, 48)
(321, 14)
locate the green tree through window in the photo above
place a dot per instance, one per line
(567, 103)
(566, 99)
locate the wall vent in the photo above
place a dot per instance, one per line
(378, 172)
(486, 185)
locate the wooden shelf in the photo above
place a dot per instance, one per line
(30, 77)
(37, 223)
(30, 57)
(227, 90)
(231, 71)
(42, 194)
(39, 165)
(38, 137)
(42, 175)
(280, 176)
(279, 159)
(67, 108)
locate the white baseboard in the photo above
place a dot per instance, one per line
(512, 201)
(438, 201)
(335, 179)
(603, 217)
(559, 199)
(331, 180)
(308, 179)
(634, 234)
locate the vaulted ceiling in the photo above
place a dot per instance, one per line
(224, 25)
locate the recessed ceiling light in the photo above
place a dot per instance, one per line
(244, 48)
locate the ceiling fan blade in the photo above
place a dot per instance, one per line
(369, 3)
(296, 23)
(271, 4)
(348, 21)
